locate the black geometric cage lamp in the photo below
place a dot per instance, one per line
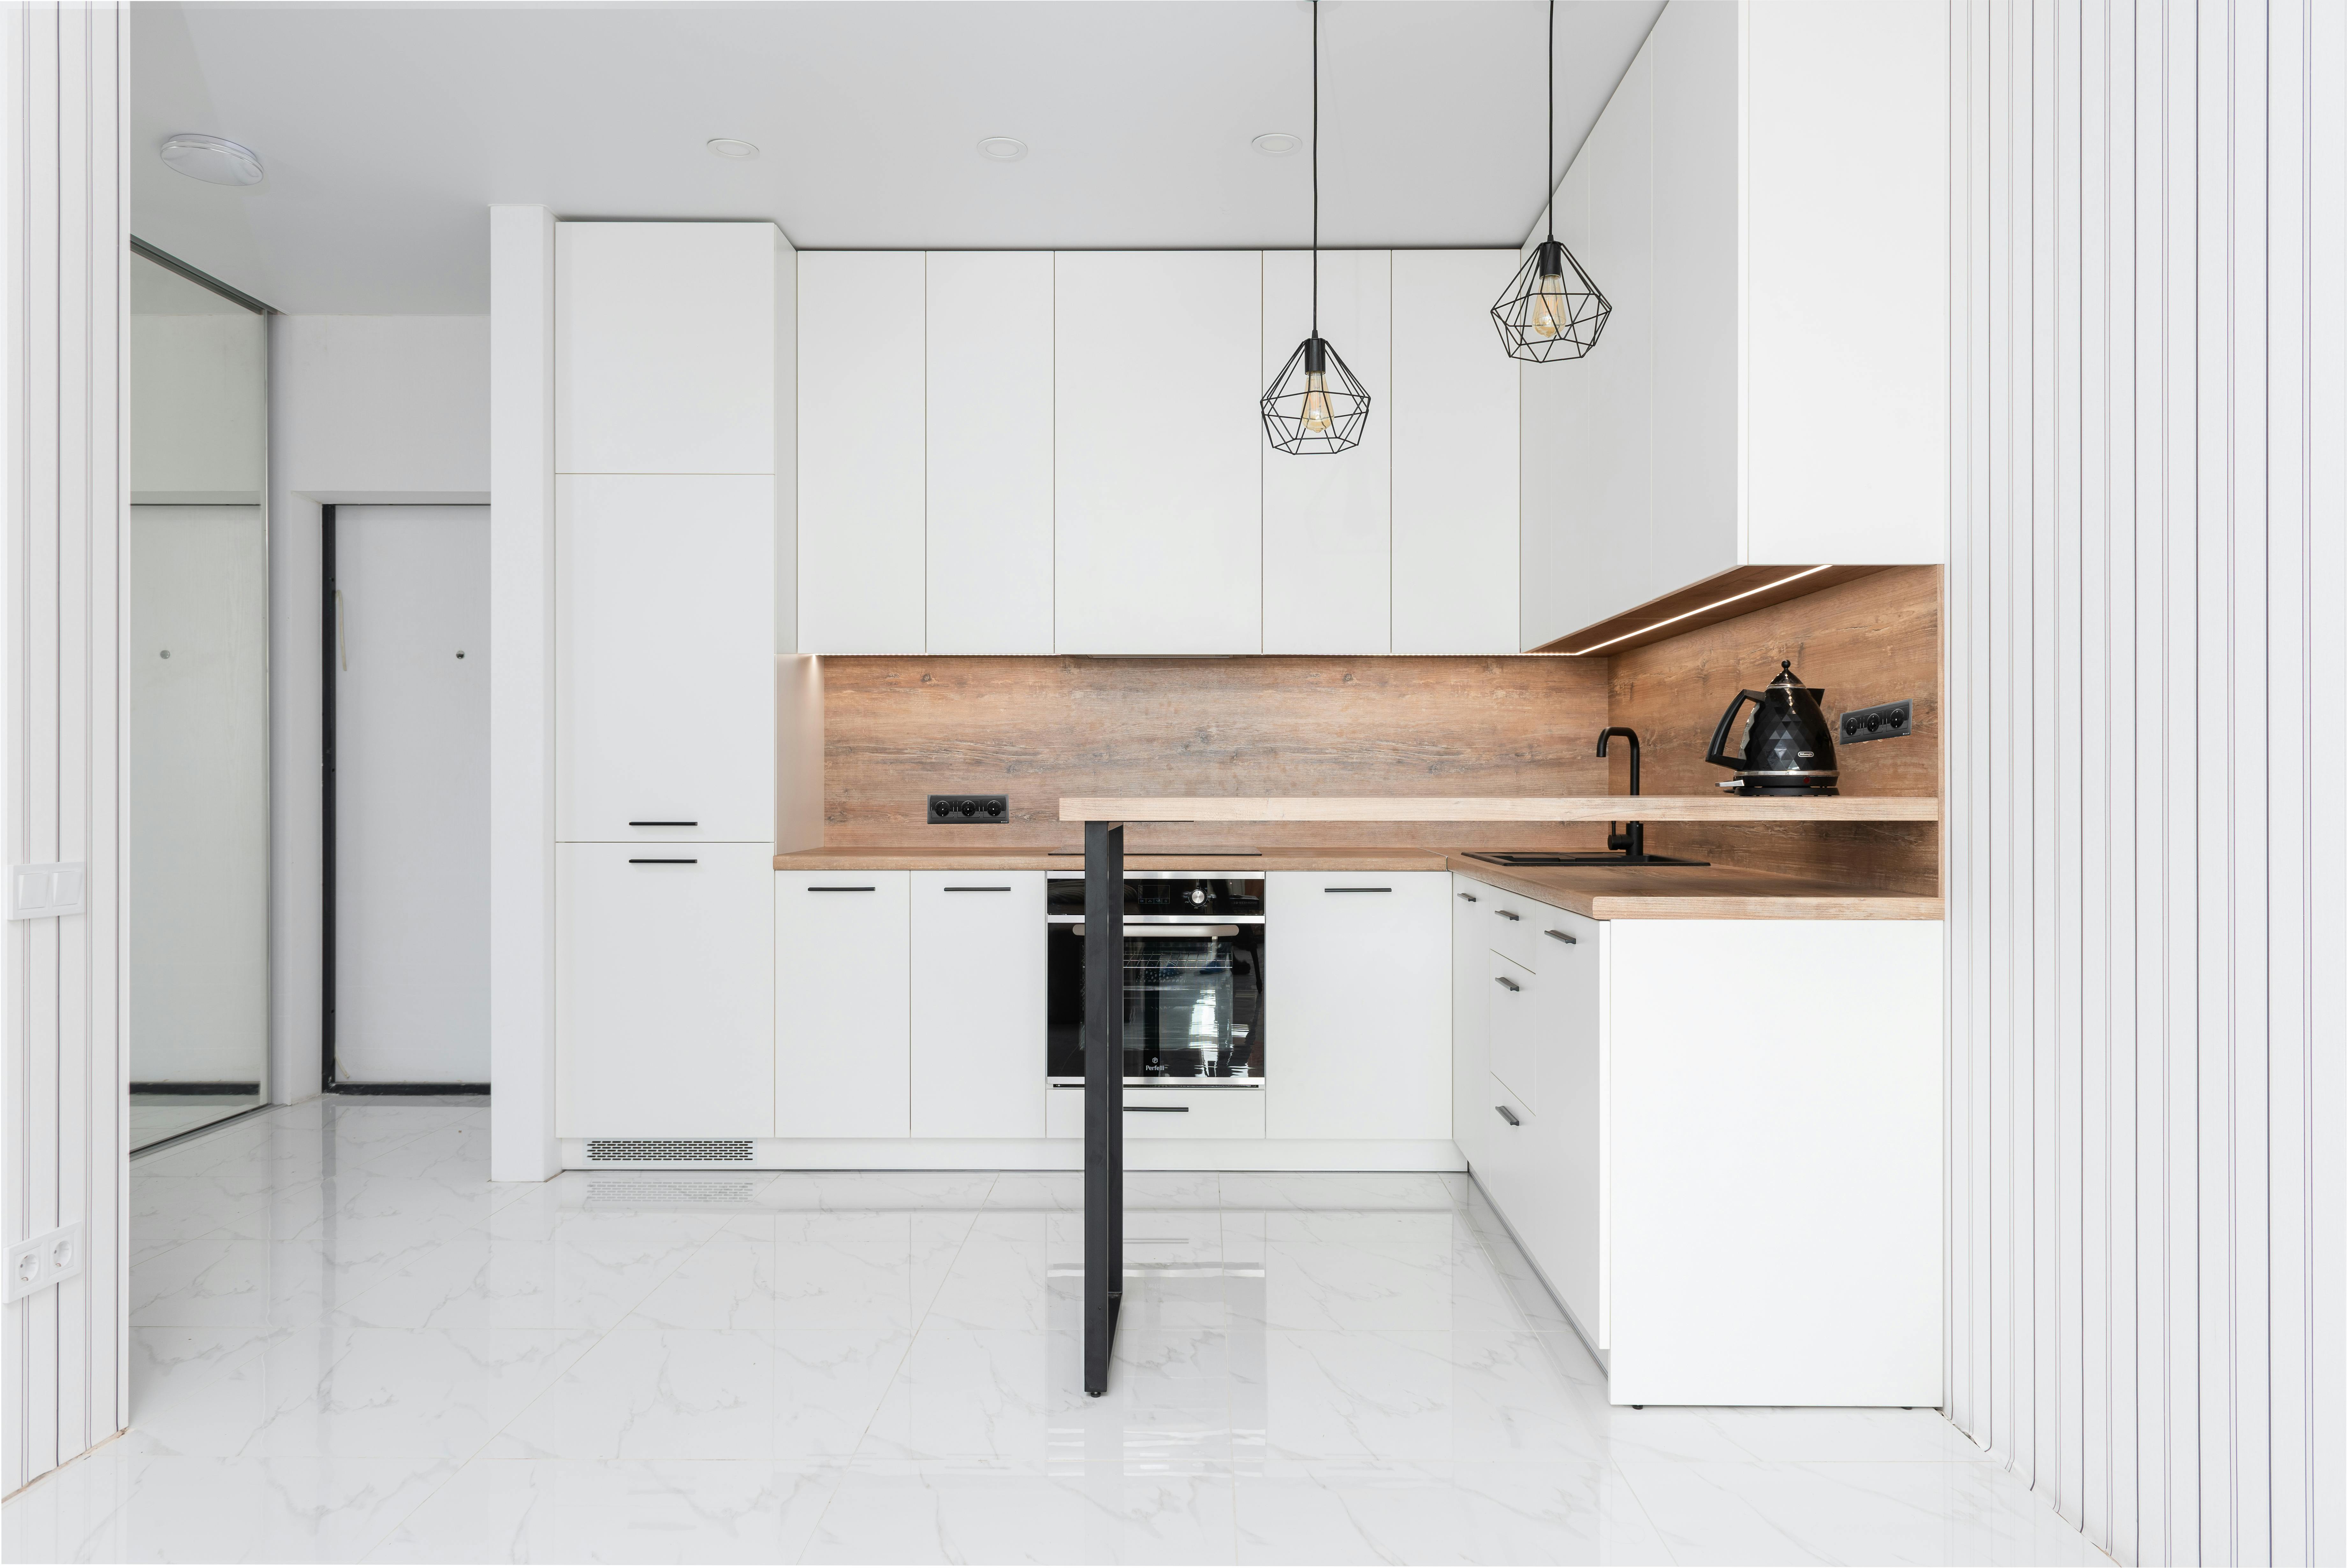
(1551, 310)
(1315, 403)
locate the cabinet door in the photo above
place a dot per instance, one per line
(979, 1004)
(663, 1010)
(989, 452)
(1516, 1061)
(1328, 520)
(664, 348)
(1568, 1232)
(842, 1049)
(1473, 1122)
(1159, 451)
(1455, 557)
(664, 659)
(862, 487)
(1357, 1004)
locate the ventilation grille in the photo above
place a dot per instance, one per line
(669, 1192)
(678, 1151)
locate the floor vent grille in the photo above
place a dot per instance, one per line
(676, 1151)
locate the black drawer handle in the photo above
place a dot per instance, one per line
(1507, 915)
(1564, 936)
(1357, 890)
(1508, 1116)
(1471, 898)
(843, 889)
(1503, 980)
(977, 889)
(663, 824)
(639, 862)
(1159, 1110)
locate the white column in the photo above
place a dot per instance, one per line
(521, 694)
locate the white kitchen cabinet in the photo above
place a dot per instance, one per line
(1327, 518)
(664, 347)
(979, 1004)
(989, 557)
(664, 990)
(1455, 481)
(664, 682)
(1473, 1122)
(1357, 1004)
(862, 478)
(843, 1057)
(1771, 389)
(1515, 1005)
(1568, 1219)
(1215, 1112)
(1159, 451)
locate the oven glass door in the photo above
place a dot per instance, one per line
(1192, 1003)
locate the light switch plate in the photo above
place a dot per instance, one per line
(40, 1261)
(36, 893)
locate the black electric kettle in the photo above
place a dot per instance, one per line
(1787, 741)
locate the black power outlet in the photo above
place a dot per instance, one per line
(1880, 722)
(977, 809)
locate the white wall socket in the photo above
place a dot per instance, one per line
(40, 1261)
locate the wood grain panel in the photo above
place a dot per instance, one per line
(1652, 808)
(1037, 730)
(1874, 639)
(1721, 596)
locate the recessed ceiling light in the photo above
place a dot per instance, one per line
(1278, 144)
(728, 147)
(214, 159)
(1002, 149)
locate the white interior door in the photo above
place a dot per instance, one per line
(412, 794)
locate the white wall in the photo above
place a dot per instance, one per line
(2147, 866)
(362, 409)
(64, 1349)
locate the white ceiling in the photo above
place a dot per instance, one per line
(387, 129)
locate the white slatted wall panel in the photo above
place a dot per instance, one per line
(63, 1364)
(2146, 596)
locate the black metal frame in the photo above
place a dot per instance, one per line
(1551, 310)
(1103, 1097)
(329, 642)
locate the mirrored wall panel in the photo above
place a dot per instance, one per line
(199, 677)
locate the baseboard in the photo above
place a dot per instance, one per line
(1062, 1154)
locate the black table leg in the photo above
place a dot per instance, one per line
(1103, 1096)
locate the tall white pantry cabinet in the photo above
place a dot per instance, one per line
(673, 429)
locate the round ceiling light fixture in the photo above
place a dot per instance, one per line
(214, 159)
(732, 146)
(1002, 149)
(1277, 144)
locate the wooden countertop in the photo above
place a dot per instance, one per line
(1599, 893)
(1499, 809)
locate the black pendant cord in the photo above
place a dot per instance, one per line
(1548, 174)
(1315, 157)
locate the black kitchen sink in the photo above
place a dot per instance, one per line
(1576, 857)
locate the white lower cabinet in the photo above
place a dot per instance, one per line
(1150, 1113)
(1569, 1154)
(1514, 1045)
(665, 991)
(842, 1042)
(1472, 1119)
(979, 1004)
(1356, 1004)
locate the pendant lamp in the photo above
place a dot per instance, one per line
(1315, 403)
(1551, 310)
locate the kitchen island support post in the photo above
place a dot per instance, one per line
(1103, 1096)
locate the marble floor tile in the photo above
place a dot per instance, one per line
(617, 1511)
(1415, 1395)
(996, 1511)
(1342, 1189)
(871, 1190)
(1576, 1512)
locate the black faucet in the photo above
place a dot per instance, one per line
(1632, 844)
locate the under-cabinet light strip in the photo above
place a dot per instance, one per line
(1700, 609)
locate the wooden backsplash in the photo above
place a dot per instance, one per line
(1873, 640)
(899, 729)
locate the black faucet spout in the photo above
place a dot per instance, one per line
(1632, 843)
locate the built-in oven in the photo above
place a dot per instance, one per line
(1193, 978)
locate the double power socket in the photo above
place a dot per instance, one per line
(50, 1259)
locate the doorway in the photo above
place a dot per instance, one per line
(406, 800)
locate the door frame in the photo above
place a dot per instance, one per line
(330, 646)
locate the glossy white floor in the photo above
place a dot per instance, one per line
(350, 1346)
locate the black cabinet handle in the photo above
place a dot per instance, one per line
(843, 889)
(1157, 1110)
(1503, 980)
(640, 861)
(1507, 915)
(1471, 898)
(1357, 890)
(977, 889)
(663, 824)
(1564, 936)
(1508, 1116)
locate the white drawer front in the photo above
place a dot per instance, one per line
(1168, 1112)
(1514, 922)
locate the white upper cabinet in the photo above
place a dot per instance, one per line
(861, 484)
(664, 663)
(1327, 518)
(664, 347)
(990, 452)
(1158, 452)
(1762, 203)
(1454, 418)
